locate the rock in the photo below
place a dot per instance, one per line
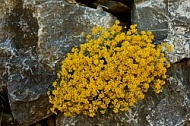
(114, 7)
(169, 20)
(179, 30)
(5, 42)
(27, 92)
(37, 124)
(151, 15)
(71, 1)
(40, 33)
(6, 50)
(81, 120)
(7, 120)
(61, 36)
(174, 105)
(35, 36)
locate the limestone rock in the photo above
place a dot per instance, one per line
(169, 21)
(179, 29)
(173, 108)
(38, 35)
(151, 15)
(56, 39)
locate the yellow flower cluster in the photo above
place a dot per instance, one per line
(109, 73)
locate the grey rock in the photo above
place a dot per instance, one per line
(6, 50)
(179, 28)
(40, 33)
(173, 108)
(5, 42)
(81, 120)
(35, 36)
(151, 15)
(27, 85)
(71, 20)
(169, 21)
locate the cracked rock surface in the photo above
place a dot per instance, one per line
(169, 20)
(35, 36)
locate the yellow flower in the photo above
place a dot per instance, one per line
(74, 50)
(48, 92)
(133, 26)
(168, 65)
(91, 114)
(82, 34)
(123, 109)
(115, 110)
(145, 87)
(109, 73)
(128, 32)
(143, 32)
(88, 36)
(149, 33)
(102, 111)
(96, 30)
(117, 22)
(169, 48)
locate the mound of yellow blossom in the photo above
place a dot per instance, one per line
(109, 73)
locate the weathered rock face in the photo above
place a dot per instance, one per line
(87, 121)
(179, 29)
(34, 36)
(151, 15)
(5, 45)
(167, 19)
(60, 28)
(174, 106)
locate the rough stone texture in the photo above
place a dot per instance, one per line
(179, 29)
(81, 120)
(7, 120)
(151, 15)
(167, 19)
(5, 48)
(173, 108)
(56, 39)
(35, 35)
